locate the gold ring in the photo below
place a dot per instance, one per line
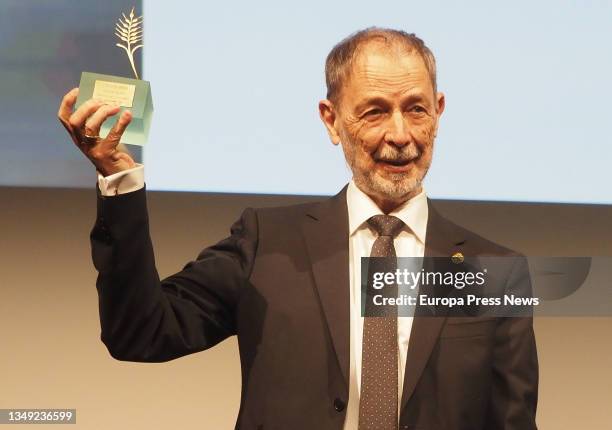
(89, 140)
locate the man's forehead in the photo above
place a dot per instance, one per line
(379, 69)
(380, 62)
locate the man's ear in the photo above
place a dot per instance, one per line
(328, 115)
(440, 105)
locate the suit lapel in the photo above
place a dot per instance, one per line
(325, 230)
(441, 240)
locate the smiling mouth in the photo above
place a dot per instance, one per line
(398, 165)
(398, 162)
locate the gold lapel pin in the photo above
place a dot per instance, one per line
(457, 258)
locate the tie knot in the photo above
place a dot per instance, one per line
(386, 225)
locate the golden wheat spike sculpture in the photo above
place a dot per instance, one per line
(128, 30)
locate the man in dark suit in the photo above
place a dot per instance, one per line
(286, 280)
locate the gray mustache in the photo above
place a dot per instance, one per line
(404, 155)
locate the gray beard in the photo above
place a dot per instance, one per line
(394, 188)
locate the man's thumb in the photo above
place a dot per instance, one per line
(117, 131)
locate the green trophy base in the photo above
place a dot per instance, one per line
(132, 94)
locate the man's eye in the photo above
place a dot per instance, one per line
(419, 109)
(373, 113)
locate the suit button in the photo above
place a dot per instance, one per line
(339, 405)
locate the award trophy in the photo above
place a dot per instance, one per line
(132, 94)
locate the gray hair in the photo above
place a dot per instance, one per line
(339, 62)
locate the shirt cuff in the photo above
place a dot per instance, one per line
(122, 182)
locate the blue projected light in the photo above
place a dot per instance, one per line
(526, 109)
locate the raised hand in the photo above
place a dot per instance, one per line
(105, 152)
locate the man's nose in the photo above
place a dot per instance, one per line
(398, 131)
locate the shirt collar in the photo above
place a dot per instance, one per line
(361, 207)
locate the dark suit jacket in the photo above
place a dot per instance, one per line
(280, 282)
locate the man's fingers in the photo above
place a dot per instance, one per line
(117, 131)
(84, 125)
(67, 104)
(78, 118)
(94, 122)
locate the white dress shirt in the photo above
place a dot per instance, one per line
(122, 182)
(410, 242)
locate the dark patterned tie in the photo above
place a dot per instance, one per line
(379, 374)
